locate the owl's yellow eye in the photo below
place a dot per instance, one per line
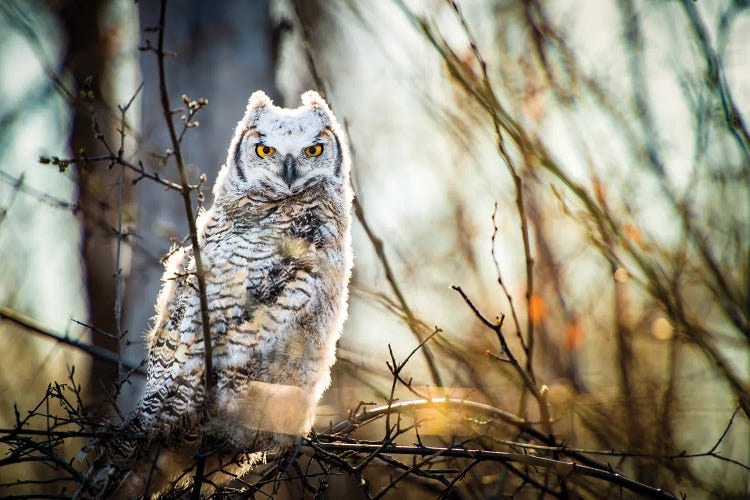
(264, 151)
(314, 150)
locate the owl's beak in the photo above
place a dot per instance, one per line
(289, 173)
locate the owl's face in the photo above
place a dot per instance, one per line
(283, 151)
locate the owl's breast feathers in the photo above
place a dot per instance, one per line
(276, 286)
(275, 272)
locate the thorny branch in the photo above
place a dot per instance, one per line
(337, 447)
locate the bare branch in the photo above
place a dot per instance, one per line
(185, 189)
(36, 327)
(562, 469)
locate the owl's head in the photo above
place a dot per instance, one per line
(279, 152)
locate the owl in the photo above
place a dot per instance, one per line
(276, 253)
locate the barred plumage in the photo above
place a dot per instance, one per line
(276, 251)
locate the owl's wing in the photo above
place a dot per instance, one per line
(173, 394)
(174, 389)
(158, 413)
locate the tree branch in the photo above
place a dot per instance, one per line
(185, 190)
(36, 327)
(562, 469)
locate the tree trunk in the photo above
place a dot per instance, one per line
(86, 56)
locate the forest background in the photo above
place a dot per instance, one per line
(552, 223)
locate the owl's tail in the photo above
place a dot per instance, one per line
(112, 460)
(101, 481)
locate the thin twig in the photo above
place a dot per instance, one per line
(36, 327)
(411, 321)
(6, 434)
(517, 183)
(540, 394)
(500, 281)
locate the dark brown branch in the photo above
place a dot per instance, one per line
(112, 158)
(497, 327)
(10, 433)
(540, 394)
(562, 469)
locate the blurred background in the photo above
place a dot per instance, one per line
(582, 168)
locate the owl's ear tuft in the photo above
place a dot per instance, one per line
(258, 100)
(312, 99)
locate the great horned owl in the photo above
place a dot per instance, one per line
(276, 250)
